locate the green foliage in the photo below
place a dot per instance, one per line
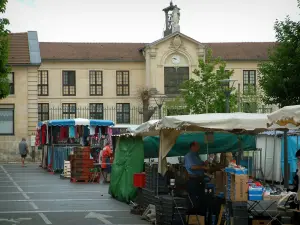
(204, 92)
(4, 48)
(280, 76)
(251, 99)
(175, 107)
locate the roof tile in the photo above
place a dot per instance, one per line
(131, 51)
(18, 49)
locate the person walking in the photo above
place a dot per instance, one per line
(23, 150)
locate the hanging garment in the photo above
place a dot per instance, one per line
(92, 130)
(44, 134)
(71, 132)
(64, 133)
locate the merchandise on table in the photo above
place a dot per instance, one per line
(67, 169)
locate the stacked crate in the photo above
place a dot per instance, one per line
(153, 178)
(171, 211)
(67, 169)
(81, 164)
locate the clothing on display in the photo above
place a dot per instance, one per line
(92, 131)
(71, 132)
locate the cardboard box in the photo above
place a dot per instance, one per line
(260, 222)
(193, 220)
(239, 188)
(220, 182)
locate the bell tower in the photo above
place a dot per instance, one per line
(172, 17)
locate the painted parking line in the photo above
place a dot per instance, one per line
(54, 200)
(63, 211)
(50, 192)
(34, 206)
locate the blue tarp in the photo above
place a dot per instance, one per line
(66, 122)
(104, 123)
(292, 149)
(222, 142)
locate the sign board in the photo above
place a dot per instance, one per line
(32, 140)
(209, 137)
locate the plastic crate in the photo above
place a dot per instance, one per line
(255, 198)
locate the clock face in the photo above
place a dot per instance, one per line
(176, 59)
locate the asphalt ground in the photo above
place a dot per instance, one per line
(32, 196)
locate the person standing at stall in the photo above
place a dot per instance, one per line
(106, 162)
(195, 168)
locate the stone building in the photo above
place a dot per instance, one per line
(51, 80)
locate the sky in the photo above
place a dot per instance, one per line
(143, 20)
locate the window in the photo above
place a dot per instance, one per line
(7, 119)
(123, 113)
(43, 83)
(249, 81)
(96, 111)
(43, 111)
(69, 110)
(122, 83)
(11, 79)
(174, 77)
(96, 85)
(69, 83)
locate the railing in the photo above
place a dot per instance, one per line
(132, 116)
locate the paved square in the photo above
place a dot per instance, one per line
(31, 196)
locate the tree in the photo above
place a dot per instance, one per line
(280, 75)
(4, 48)
(204, 93)
(144, 96)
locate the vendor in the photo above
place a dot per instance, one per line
(195, 168)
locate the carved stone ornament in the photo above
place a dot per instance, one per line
(176, 43)
(200, 51)
(152, 53)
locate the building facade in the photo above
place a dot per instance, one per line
(102, 80)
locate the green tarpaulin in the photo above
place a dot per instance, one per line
(129, 159)
(222, 142)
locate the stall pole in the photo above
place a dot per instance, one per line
(265, 163)
(297, 142)
(52, 150)
(286, 165)
(274, 152)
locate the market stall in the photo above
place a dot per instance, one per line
(170, 128)
(59, 137)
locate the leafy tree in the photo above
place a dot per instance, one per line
(4, 48)
(251, 99)
(204, 93)
(280, 75)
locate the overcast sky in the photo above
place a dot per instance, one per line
(143, 20)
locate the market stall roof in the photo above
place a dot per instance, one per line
(147, 129)
(231, 122)
(129, 127)
(104, 123)
(286, 116)
(79, 121)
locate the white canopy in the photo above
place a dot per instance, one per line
(286, 116)
(148, 128)
(242, 122)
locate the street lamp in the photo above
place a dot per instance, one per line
(227, 86)
(159, 100)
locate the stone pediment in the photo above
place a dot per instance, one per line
(176, 40)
